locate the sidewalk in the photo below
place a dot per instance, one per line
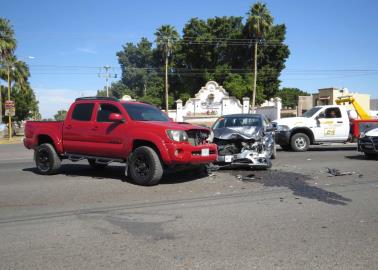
(15, 139)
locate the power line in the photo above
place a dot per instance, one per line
(106, 75)
(208, 69)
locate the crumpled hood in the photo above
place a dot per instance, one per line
(372, 132)
(238, 133)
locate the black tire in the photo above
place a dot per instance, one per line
(300, 142)
(286, 147)
(145, 167)
(96, 165)
(46, 159)
(274, 152)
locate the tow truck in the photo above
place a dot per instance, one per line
(323, 124)
(364, 129)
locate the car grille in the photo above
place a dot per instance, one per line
(369, 143)
(197, 137)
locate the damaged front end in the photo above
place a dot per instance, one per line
(244, 146)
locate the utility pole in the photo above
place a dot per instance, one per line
(9, 98)
(107, 75)
(254, 79)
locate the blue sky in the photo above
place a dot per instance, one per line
(332, 43)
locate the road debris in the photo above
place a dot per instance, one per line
(249, 177)
(335, 172)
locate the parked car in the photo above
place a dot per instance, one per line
(368, 142)
(244, 139)
(105, 130)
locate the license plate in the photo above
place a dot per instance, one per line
(205, 152)
(227, 158)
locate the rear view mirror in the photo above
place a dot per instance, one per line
(116, 117)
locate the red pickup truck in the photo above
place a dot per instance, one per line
(104, 130)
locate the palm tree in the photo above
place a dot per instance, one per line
(166, 39)
(7, 47)
(259, 23)
(18, 71)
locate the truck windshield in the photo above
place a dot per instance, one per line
(311, 112)
(144, 112)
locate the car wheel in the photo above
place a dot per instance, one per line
(145, 167)
(46, 159)
(95, 164)
(300, 142)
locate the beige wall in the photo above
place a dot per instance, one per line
(328, 96)
(304, 104)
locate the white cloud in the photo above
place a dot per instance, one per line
(52, 100)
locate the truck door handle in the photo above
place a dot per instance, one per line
(68, 127)
(340, 122)
(95, 128)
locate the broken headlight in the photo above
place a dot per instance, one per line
(282, 128)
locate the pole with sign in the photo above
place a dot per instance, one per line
(10, 103)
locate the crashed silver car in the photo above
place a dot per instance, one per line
(244, 140)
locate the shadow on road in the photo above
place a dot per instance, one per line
(363, 157)
(295, 182)
(324, 148)
(118, 173)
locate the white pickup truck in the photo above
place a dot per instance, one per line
(321, 124)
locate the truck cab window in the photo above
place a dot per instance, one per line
(104, 112)
(332, 113)
(83, 112)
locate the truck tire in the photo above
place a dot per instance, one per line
(145, 167)
(300, 142)
(95, 164)
(46, 159)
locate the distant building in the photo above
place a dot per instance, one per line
(374, 104)
(328, 96)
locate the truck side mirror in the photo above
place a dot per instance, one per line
(116, 117)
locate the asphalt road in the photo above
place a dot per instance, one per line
(292, 217)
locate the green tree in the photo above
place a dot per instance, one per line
(136, 62)
(289, 96)
(166, 40)
(218, 49)
(60, 115)
(259, 23)
(7, 47)
(25, 100)
(117, 89)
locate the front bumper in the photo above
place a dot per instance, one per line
(246, 158)
(185, 153)
(368, 145)
(282, 137)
